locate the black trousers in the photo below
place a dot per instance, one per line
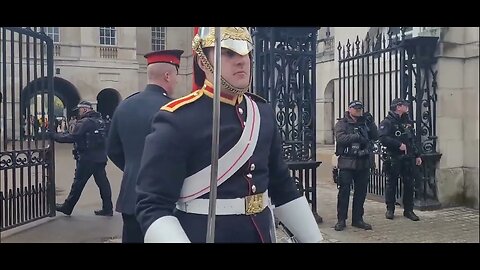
(360, 180)
(85, 169)
(131, 230)
(394, 169)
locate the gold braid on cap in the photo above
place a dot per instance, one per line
(197, 47)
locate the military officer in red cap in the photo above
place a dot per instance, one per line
(131, 124)
(173, 184)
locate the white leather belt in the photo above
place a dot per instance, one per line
(252, 204)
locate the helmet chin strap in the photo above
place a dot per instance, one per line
(230, 88)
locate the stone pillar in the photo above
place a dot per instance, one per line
(457, 117)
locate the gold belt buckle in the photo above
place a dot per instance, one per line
(254, 204)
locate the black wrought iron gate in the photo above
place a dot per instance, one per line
(285, 76)
(27, 189)
(379, 69)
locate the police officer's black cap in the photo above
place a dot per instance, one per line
(84, 104)
(398, 102)
(357, 104)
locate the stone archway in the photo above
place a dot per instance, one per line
(66, 96)
(329, 113)
(107, 101)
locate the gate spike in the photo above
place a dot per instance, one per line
(348, 47)
(378, 38)
(390, 39)
(339, 48)
(402, 31)
(357, 45)
(367, 45)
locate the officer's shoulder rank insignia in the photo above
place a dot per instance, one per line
(256, 97)
(177, 103)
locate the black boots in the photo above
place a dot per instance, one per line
(362, 225)
(340, 225)
(103, 212)
(411, 215)
(408, 214)
(61, 207)
(389, 214)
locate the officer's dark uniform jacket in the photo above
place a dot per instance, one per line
(346, 135)
(130, 125)
(180, 146)
(90, 145)
(392, 126)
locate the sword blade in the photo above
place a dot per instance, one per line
(217, 72)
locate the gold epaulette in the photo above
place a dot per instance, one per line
(177, 103)
(256, 97)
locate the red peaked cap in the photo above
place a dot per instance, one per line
(165, 56)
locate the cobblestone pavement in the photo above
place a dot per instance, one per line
(452, 225)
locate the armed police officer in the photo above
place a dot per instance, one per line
(173, 183)
(135, 113)
(402, 155)
(89, 150)
(354, 134)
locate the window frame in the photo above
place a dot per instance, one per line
(104, 37)
(52, 32)
(158, 40)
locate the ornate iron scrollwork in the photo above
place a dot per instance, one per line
(21, 158)
(285, 76)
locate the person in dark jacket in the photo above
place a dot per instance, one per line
(88, 137)
(354, 135)
(401, 158)
(130, 125)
